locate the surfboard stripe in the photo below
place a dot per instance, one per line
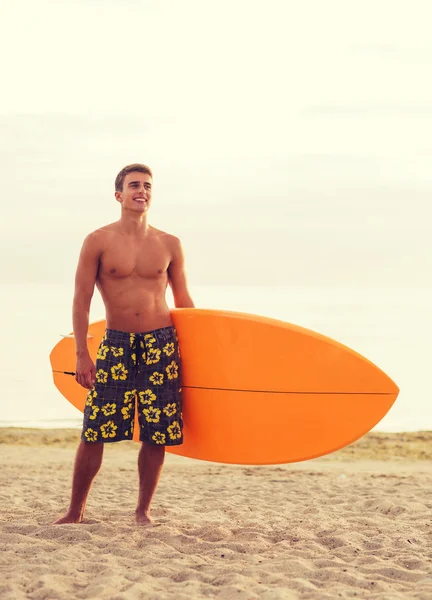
(197, 387)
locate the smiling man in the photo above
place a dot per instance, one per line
(138, 362)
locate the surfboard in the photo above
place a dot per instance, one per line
(258, 390)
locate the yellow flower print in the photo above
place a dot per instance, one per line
(174, 431)
(133, 357)
(91, 435)
(90, 397)
(131, 339)
(157, 378)
(95, 410)
(126, 411)
(146, 397)
(153, 356)
(169, 349)
(109, 409)
(170, 409)
(108, 430)
(152, 414)
(127, 433)
(102, 352)
(101, 376)
(172, 370)
(119, 372)
(117, 351)
(149, 339)
(159, 437)
(129, 396)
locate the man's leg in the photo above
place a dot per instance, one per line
(87, 463)
(150, 462)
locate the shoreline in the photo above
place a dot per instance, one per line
(404, 446)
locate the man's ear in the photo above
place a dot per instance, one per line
(118, 196)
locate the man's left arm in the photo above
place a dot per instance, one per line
(177, 276)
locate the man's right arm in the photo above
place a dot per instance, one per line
(85, 280)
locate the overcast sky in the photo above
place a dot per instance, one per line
(291, 142)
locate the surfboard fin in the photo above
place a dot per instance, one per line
(71, 336)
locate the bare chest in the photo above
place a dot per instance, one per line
(148, 259)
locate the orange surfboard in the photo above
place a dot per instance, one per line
(258, 390)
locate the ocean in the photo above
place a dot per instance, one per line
(392, 327)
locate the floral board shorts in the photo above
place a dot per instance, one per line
(136, 371)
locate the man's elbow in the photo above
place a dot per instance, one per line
(82, 299)
(184, 301)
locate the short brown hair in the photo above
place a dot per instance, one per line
(119, 180)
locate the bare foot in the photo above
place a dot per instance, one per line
(68, 518)
(144, 520)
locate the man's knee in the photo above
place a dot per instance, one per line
(91, 448)
(153, 449)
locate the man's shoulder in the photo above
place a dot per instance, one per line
(99, 236)
(111, 227)
(168, 238)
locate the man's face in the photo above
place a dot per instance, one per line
(137, 191)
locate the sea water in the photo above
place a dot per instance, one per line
(392, 327)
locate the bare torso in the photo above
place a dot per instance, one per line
(132, 278)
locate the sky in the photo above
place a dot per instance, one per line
(291, 146)
(290, 142)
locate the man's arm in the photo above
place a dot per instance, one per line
(177, 277)
(85, 279)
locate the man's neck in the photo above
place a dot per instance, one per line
(134, 224)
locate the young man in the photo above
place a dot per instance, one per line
(138, 361)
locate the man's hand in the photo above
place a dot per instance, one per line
(85, 371)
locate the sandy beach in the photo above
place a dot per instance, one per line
(354, 524)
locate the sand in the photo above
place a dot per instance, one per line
(355, 524)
